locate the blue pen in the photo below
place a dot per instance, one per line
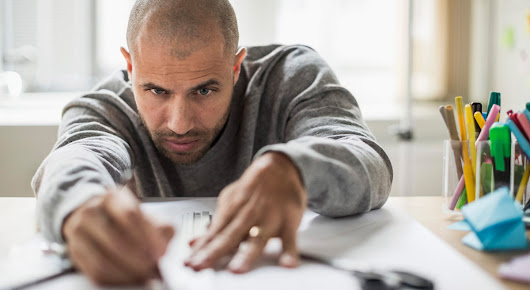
(500, 151)
(523, 143)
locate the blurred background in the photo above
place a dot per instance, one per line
(401, 59)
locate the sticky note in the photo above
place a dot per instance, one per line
(496, 223)
(517, 269)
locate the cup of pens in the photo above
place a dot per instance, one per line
(481, 155)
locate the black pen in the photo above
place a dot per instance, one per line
(476, 107)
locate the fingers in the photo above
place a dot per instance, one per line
(227, 208)
(91, 261)
(247, 255)
(289, 257)
(113, 242)
(162, 235)
(206, 255)
(230, 229)
(123, 209)
(166, 232)
(192, 242)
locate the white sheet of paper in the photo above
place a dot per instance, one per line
(383, 239)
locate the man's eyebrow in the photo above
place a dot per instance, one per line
(151, 86)
(205, 84)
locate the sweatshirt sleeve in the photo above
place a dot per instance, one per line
(89, 156)
(344, 170)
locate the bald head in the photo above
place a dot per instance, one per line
(184, 25)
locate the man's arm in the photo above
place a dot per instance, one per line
(109, 238)
(344, 169)
(88, 158)
(340, 169)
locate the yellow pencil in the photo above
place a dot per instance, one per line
(470, 123)
(468, 170)
(480, 119)
(471, 133)
(522, 185)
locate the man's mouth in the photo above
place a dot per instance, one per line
(182, 146)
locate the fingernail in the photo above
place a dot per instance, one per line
(288, 260)
(198, 259)
(237, 265)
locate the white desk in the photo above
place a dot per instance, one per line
(17, 225)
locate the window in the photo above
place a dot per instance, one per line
(49, 43)
(361, 42)
(60, 45)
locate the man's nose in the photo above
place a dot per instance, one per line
(180, 116)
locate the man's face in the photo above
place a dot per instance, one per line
(184, 103)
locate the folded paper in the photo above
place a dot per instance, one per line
(459, 226)
(496, 223)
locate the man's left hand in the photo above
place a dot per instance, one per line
(267, 201)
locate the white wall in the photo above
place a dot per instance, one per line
(417, 165)
(510, 70)
(65, 46)
(22, 149)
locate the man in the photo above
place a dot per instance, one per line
(269, 130)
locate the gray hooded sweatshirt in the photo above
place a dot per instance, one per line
(287, 99)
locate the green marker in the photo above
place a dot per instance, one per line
(500, 151)
(495, 98)
(462, 200)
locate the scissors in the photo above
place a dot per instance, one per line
(380, 279)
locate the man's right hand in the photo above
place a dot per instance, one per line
(111, 241)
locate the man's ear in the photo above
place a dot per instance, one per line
(240, 55)
(127, 57)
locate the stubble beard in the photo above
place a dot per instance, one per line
(206, 137)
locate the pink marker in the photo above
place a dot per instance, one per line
(525, 125)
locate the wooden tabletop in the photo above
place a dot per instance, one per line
(428, 211)
(17, 224)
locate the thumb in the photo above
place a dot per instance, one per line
(289, 256)
(167, 232)
(164, 233)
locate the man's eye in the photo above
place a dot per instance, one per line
(157, 91)
(204, 92)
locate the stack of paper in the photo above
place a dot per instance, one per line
(385, 239)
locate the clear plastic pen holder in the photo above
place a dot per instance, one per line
(520, 174)
(487, 177)
(452, 171)
(490, 176)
